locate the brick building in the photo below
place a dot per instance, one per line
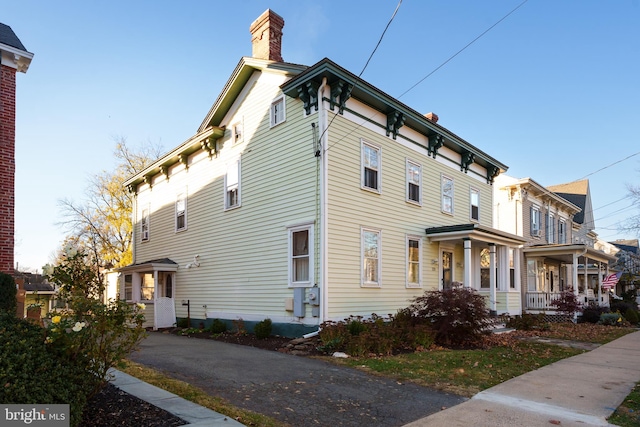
(14, 58)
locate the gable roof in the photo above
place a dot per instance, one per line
(577, 193)
(359, 89)
(530, 184)
(8, 37)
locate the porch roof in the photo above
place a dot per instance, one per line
(565, 253)
(475, 232)
(162, 264)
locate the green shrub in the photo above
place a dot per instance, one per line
(631, 316)
(592, 313)
(527, 322)
(33, 372)
(611, 319)
(217, 326)
(623, 306)
(355, 326)
(8, 301)
(458, 316)
(183, 323)
(262, 330)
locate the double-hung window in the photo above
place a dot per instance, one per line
(414, 182)
(371, 162)
(414, 255)
(144, 225)
(562, 231)
(535, 221)
(370, 257)
(181, 212)
(147, 287)
(447, 195)
(301, 256)
(232, 185)
(551, 229)
(475, 204)
(277, 112)
(128, 287)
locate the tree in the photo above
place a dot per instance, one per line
(101, 225)
(632, 224)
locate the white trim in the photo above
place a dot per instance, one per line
(272, 116)
(181, 196)
(364, 283)
(310, 254)
(444, 177)
(408, 284)
(145, 232)
(378, 169)
(408, 164)
(473, 190)
(238, 186)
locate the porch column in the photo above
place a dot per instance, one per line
(467, 263)
(492, 279)
(599, 284)
(574, 274)
(155, 297)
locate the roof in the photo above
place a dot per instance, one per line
(38, 287)
(164, 264)
(377, 99)
(565, 253)
(473, 232)
(575, 192)
(8, 37)
(531, 184)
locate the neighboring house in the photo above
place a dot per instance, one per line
(14, 58)
(628, 263)
(558, 253)
(36, 290)
(309, 195)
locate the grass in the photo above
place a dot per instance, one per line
(628, 413)
(584, 332)
(197, 395)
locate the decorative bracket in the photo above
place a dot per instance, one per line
(148, 179)
(209, 145)
(466, 159)
(395, 120)
(340, 92)
(164, 169)
(436, 141)
(184, 159)
(492, 172)
(132, 188)
(308, 93)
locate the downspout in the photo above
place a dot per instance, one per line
(322, 153)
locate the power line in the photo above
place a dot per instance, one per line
(608, 166)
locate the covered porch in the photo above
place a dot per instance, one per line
(553, 269)
(482, 258)
(151, 283)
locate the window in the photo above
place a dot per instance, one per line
(512, 270)
(562, 231)
(370, 167)
(447, 195)
(277, 112)
(181, 212)
(485, 263)
(535, 221)
(301, 256)
(236, 132)
(147, 287)
(414, 255)
(128, 287)
(144, 225)
(370, 257)
(551, 229)
(414, 182)
(475, 205)
(232, 185)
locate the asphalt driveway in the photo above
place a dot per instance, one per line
(297, 390)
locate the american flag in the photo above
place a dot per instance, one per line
(611, 280)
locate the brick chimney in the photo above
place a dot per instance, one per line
(432, 116)
(13, 58)
(266, 36)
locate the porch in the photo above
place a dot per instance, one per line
(542, 301)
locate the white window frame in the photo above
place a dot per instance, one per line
(230, 185)
(551, 229)
(277, 111)
(181, 211)
(144, 286)
(144, 225)
(410, 262)
(310, 255)
(447, 208)
(536, 217)
(411, 179)
(562, 231)
(237, 132)
(364, 258)
(366, 164)
(127, 287)
(474, 192)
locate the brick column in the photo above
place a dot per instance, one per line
(7, 166)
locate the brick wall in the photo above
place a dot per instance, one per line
(7, 166)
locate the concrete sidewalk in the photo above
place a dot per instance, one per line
(194, 415)
(579, 391)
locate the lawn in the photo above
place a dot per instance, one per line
(628, 413)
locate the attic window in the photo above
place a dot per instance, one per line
(237, 132)
(277, 112)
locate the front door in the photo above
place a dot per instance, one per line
(447, 273)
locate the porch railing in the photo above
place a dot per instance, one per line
(540, 300)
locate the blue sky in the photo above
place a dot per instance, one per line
(552, 91)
